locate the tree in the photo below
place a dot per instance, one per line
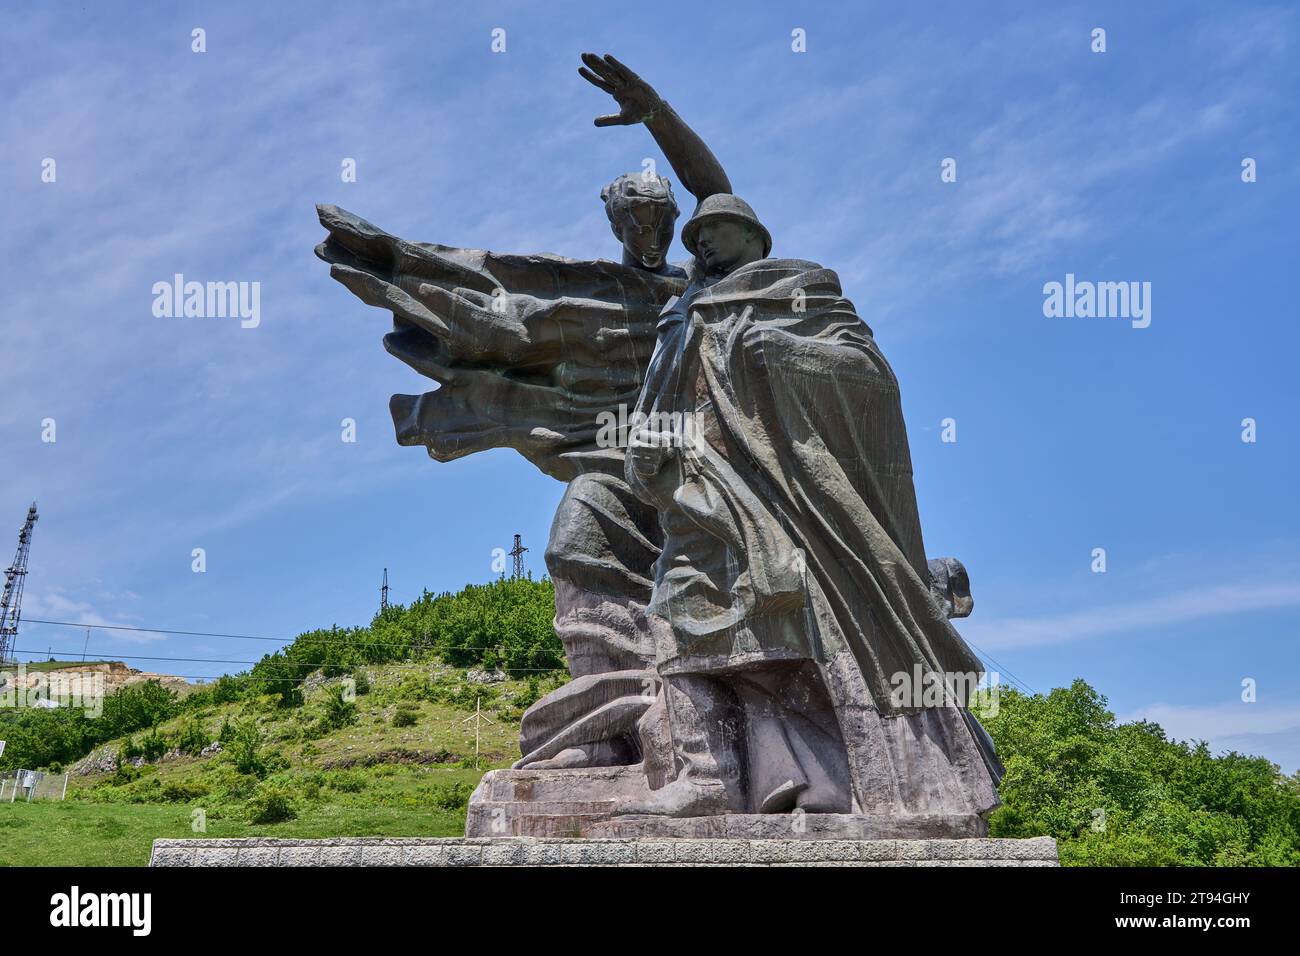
(1125, 795)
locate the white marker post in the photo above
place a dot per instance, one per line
(478, 719)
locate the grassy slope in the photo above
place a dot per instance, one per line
(45, 833)
(360, 776)
(41, 666)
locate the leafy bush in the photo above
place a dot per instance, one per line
(526, 699)
(454, 796)
(191, 739)
(405, 718)
(271, 803)
(153, 745)
(338, 710)
(509, 713)
(228, 786)
(124, 774)
(245, 748)
(346, 781)
(182, 791)
(413, 687)
(226, 690)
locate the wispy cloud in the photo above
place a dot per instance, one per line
(1148, 614)
(1042, 170)
(1254, 728)
(53, 604)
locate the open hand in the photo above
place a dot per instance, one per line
(636, 98)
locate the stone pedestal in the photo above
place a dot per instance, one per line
(1040, 851)
(582, 803)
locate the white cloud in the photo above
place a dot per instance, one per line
(1252, 729)
(1147, 614)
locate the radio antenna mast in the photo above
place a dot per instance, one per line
(11, 602)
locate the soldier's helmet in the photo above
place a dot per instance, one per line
(723, 206)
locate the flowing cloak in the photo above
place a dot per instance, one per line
(801, 475)
(570, 340)
(529, 350)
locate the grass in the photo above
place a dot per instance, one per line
(45, 833)
(376, 776)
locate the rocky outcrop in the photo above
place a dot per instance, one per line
(72, 678)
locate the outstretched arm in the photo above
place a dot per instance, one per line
(696, 167)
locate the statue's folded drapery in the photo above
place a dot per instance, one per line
(528, 349)
(802, 483)
(805, 475)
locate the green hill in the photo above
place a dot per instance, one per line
(369, 731)
(397, 760)
(365, 731)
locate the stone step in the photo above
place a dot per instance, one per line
(556, 803)
(561, 786)
(262, 851)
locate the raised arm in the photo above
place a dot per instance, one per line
(696, 167)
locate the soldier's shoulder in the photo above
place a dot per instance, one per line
(801, 265)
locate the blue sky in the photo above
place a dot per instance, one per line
(1072, 434)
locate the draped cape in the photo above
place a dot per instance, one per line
(806, 473)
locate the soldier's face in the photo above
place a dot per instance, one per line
(724, 246)
(648, 232)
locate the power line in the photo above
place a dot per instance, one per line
(1001, 669)
(143, 657)
(303, 680)
(212, 660)
(157, 630)
(341, 641)
(344, 642)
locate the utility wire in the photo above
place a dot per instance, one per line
(218, 660)
(155, 630)
(1001, 670)
(307, 637)
(344, 642)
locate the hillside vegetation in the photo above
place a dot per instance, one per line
(369, 731)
